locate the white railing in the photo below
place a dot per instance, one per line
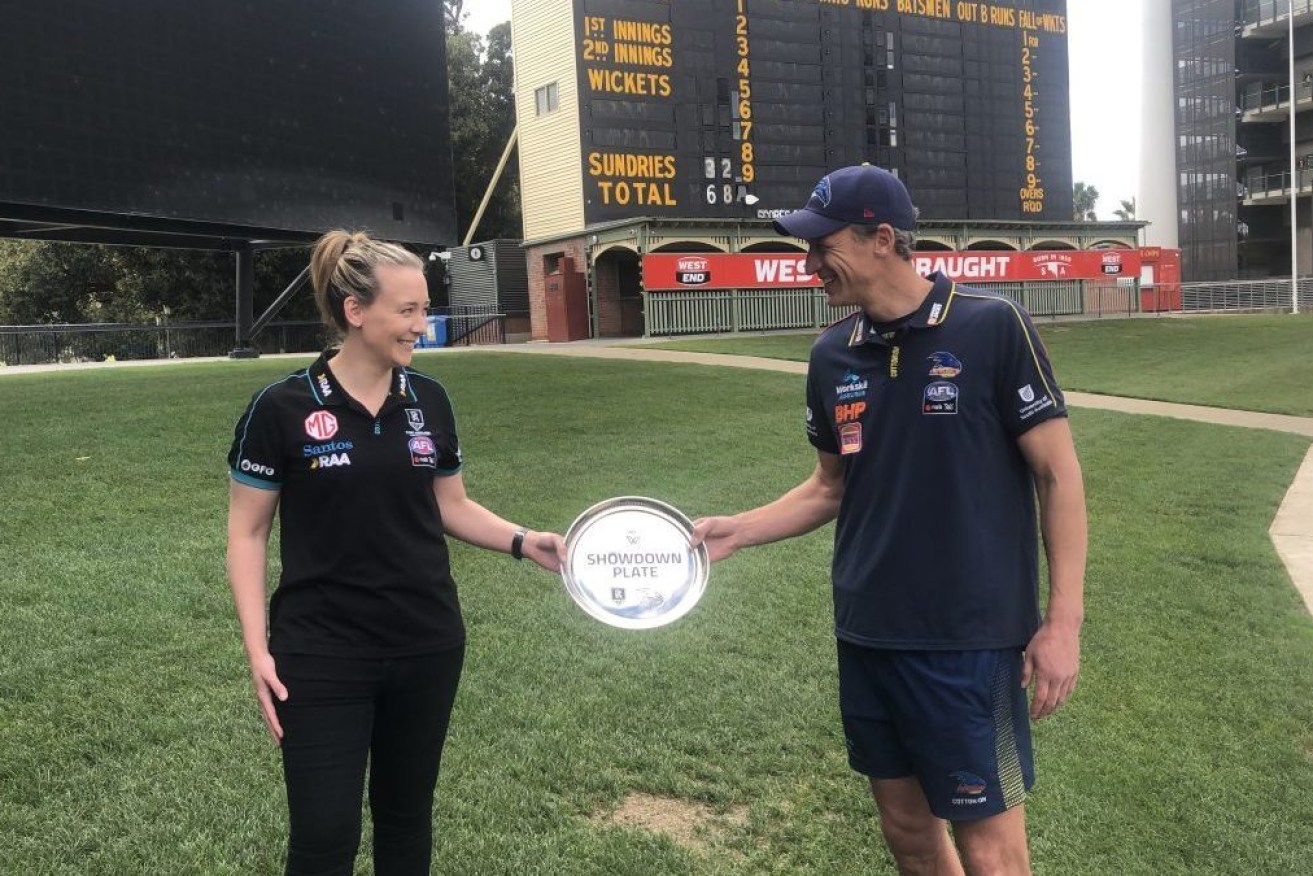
(715, 311)
(1245, 295)
(737, 310)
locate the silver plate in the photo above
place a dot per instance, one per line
(629, 563)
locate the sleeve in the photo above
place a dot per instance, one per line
(450, 459)
(819, 431)
(1027, 392)
(256, 458)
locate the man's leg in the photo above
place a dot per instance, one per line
(994, 846)
(918, 840)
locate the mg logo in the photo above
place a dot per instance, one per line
(321, 425)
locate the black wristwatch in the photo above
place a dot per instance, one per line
(517, 543)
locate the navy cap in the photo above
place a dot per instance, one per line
(861, 195)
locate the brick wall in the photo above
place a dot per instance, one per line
(606, 279)
(572, 248)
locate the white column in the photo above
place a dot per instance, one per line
(1156, 198)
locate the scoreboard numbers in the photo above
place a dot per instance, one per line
(734, 108)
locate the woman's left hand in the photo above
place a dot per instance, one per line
(547, 549)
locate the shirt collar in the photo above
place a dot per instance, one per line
(932, 313)
(328, 392)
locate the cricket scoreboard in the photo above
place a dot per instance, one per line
(735, 108)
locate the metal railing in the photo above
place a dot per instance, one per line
(473, 324)
(1245, 295)
(690, 311)
(1267, 182)
(1269, 97)
(683, 312)
(1261, 11)
(96, 342)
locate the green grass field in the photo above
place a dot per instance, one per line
(131, 743)
(1253, 363)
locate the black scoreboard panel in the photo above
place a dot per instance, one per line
(296, 115)
(735, 108)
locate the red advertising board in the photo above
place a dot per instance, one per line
(724, 271)
(788, 271)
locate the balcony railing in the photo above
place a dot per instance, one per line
(1269, 97)
(1269, 181)
(1261, 11)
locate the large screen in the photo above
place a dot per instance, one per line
(735, 108)
(263, 115)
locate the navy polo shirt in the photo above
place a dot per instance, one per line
(365, 570)
(936, 541)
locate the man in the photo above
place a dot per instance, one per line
(936, 420)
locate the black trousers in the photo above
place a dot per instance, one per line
(343, 714)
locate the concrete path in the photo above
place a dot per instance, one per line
(1291, 531)
(1292, 528)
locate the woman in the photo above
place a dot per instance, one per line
(365, 639)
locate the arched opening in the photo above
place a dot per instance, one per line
(774, 246)
(618, 293)
(686, 246)
(991, 246)
(1050, 245)
(932, 246)
(1111, 244)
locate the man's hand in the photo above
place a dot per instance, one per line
(1052, 660)
(718, 533)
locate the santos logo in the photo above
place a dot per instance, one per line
(257, 468)
(330, 461)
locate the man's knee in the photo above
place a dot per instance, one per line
(918, 840)
(994, 846)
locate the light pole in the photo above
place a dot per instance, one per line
(1294, 171)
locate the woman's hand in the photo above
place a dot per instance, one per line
(264, 678)
(547, 549)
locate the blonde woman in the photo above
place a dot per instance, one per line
(357, 668)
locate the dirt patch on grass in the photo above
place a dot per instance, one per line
(692, 825)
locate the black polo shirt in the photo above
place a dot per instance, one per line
(365, 565)
(936, 542)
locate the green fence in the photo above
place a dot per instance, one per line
(714, 311)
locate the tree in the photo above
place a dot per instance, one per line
(55, 282)
(480, 81)
(1127, 211)
(1084, 197)
(453, 15)
(44, 282)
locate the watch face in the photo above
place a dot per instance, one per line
(629, 563)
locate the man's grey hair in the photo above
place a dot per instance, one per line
(904, 241)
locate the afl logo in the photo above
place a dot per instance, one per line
(321, 425)
(693, 272)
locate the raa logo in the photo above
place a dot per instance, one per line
(331, 460)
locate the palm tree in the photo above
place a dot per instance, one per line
(1083, 198)
(1127, 212)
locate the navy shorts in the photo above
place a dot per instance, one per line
(957, 720)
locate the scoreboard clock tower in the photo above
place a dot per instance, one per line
(734, 108)
(729, 111)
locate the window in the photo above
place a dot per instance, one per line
(546, 99)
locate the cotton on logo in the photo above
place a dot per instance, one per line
(321, 425)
